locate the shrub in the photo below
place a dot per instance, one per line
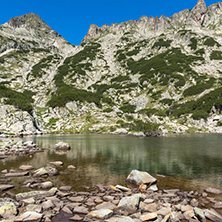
(216, 55)
(200, 114)
(167, 101)
(211, 42)
(145, 127)
(162, 43)
(128, 108)
(193, 44)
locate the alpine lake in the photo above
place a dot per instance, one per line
(188, 162)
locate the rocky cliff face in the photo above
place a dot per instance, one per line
(138, 77)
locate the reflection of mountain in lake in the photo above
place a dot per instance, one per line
(186, 156)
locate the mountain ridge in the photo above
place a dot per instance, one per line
(138, 77)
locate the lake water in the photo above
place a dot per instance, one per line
(188, 161)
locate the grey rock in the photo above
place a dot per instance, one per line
(101, 214)
(213, 190)
(71, 167)
(212, 215)
(139, 177)
(199, 214)
(148, 216)
(46, 185)
(45, 171)
(129, 204)
(47, 205)
(65, 188)
(126, 189)
(34, 207)
(217, 205)
(30, 200)
(62, 146)
(36, 194)
(20, 174)
(80, 210)
(76, 218)
(4, 187)
(8, 207)
(66, 210)
(56, 163)
(29, 216)
(106, 205)
(26, 167)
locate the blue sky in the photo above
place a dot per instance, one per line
(72, 18)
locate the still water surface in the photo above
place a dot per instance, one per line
(188, 161)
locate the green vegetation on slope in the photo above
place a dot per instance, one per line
(201, 107)
(71, 66)
(166, 66)
(199, 88)
(20, 100)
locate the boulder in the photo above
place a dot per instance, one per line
(20, 174)
(217, 205)
(148, 216)
(7, 207)
(129, 204)
(29, 216)
(139, 177)
(126, 189)
(34, 207)
(213, 190)
(62, 146)
(212, 215)
(46, 185)
(50, 171)
(76, 218)
(100, 214)
(47, 205)
(37, 194)
(125, 219)
(80, 210)
(71, 167)
(56, 163)
(4, 187)
(106, 205)
(26, 167)
(199, 214)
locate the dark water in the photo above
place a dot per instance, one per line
(188, 161)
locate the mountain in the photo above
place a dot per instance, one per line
(138, 77)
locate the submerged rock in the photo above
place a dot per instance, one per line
(139, 177)
(62, 146)
(56, 163)
(50, 171)
(26, 167)
(213, 190)
(4, 187)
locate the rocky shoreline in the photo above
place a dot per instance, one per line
(41, 201)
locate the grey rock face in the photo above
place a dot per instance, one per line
(116, 65)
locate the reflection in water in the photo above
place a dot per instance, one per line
(108, 159)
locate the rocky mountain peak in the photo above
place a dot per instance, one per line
(30, 20)
(200, 7)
